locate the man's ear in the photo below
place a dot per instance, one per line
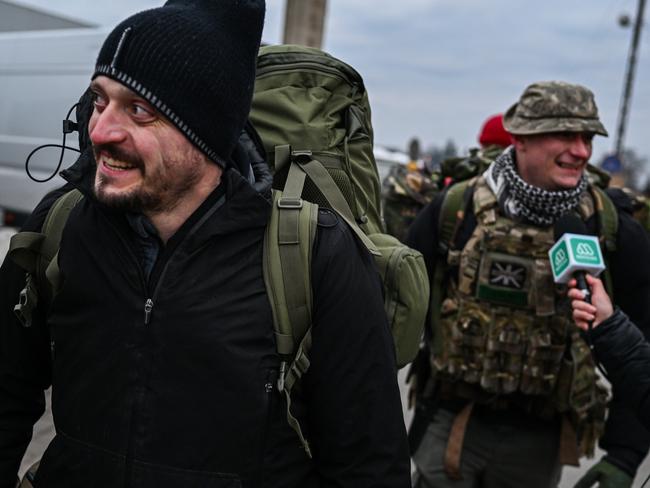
(519, 142)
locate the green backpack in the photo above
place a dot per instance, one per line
(313, 115)
(311, 111)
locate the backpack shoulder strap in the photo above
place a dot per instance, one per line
(35, 252)
(451, 211)
(53, 229)
(55, 222)
(450, 217)
(607, 216)
(313, 168)
(288, 243)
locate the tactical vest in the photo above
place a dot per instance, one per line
(505, 327)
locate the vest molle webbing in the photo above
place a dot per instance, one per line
(505, 326)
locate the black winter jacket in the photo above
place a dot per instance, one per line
(625, 354)
(625, 440)
(171, 382)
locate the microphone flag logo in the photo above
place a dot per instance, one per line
(585, 250)
(560, 258)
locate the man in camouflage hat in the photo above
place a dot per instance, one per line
(506, 389)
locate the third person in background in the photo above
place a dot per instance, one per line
(408, 188)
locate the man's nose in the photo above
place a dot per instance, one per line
(106, 127)
(580, 147)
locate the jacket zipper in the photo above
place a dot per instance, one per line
(128, 465)
(148, 311)
(148, 308)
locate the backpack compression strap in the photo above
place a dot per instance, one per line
(288, 243)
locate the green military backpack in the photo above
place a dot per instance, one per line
(312, 113)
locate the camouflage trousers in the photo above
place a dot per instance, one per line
(501, 449)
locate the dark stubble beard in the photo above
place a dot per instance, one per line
(162, 187)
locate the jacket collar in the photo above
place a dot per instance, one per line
(246, 204)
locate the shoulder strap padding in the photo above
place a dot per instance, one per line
(53, 229)
(288, 243)
(35, 252)
(287, 268)
(607, 216)
(451, 211)
(450, 217)
(25, 249)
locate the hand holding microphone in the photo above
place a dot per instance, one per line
(575, 258)
(598, 310)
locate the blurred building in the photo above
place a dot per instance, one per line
(16, 17)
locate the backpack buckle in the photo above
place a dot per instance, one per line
(301, 153)
(282, 375)
(290, 202)
(23, 309)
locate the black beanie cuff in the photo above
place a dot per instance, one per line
(161, 107)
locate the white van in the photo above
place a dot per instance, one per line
(42, 74)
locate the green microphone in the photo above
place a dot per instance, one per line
(575, 253)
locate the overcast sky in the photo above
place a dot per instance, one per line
(436, 69)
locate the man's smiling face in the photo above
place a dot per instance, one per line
(144, 163)
(553, 161)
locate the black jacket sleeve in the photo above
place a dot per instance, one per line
(626, 440)
(625, 354)
(423, 233)
(24, 362)
(354, 413)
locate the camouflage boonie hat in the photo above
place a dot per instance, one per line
(554, 106)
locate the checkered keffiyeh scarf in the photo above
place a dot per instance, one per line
(520, 200)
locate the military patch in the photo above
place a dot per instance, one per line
(508, 275)
(505, 279)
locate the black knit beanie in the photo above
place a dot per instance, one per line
(194, 61)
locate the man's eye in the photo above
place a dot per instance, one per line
(142, 112)
(99, 101)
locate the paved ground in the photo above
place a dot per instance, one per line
(43, 430)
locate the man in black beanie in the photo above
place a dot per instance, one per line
(160, 335)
